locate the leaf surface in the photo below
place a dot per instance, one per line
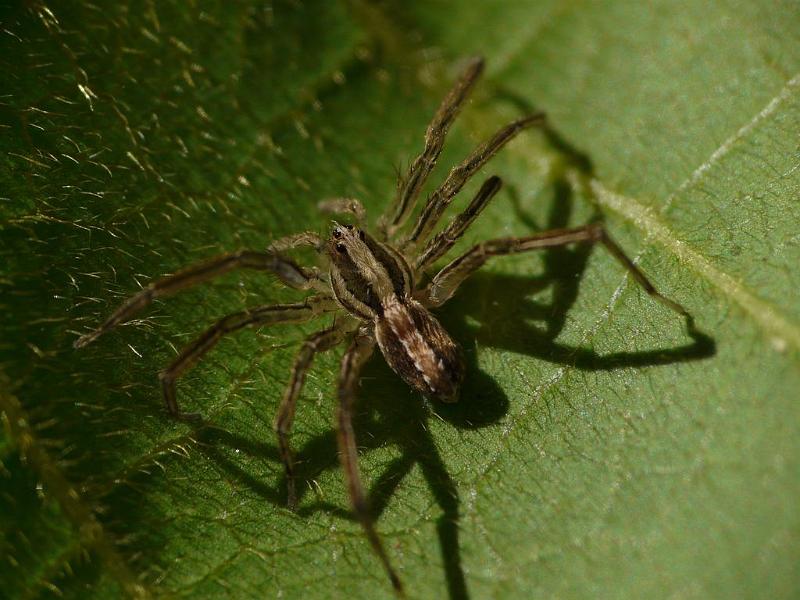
(597, 451)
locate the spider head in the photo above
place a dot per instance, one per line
(344, 240)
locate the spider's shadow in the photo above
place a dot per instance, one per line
(390, 414)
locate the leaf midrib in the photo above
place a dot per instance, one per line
(766, 316)
(769, 318)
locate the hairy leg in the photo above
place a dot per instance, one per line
(439, 200)
(317, 342)
(444, 240)
(446, 282)
(297, 240)
(343, 206)
(411, 184)
(357, 354)
(285, 269)
(255, 317)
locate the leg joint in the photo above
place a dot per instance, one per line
(282, 425)
(598, 232)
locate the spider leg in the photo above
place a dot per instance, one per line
(446, 282)
(260, 316)
(285, 269)
(409, 186)
(357, 354)
(444, 240)
(347, 206)
(439, 200)
(317, 342)
(297, 240)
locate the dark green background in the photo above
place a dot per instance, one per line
(595, 452)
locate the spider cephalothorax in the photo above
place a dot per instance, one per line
(373, 286)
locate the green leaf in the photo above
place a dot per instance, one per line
(597, 451)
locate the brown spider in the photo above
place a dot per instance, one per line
(374, 281)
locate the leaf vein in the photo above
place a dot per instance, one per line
(726, 146)
(539, 392)
(782, 330)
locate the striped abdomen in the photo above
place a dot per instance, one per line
(419, 350)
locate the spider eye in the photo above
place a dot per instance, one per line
(337, 233)
(348, 227)
(341, 248)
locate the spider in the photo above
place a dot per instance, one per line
(378, 288)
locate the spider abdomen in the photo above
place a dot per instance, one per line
(419, 350)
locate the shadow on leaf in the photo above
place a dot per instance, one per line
(389, 414)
